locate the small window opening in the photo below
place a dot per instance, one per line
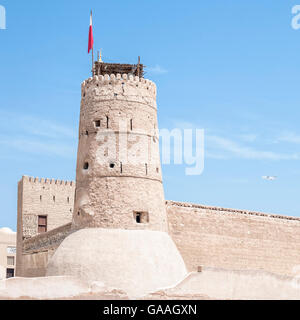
(107, 121)
(86, 166)
(141, 217)
(97, 123)
(112, 165)
(41, 198)
(121, 165)
(78, 213)
(146, 167)
(42, 224)
(157, 170)
(68, 199)
(86, 133)
(131, 124)
(138, 218)
(53, 198)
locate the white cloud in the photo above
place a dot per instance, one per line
(36, 126)
(250, 137)
(39, 147)
(220, 147)
(35, 135)
(157, 70)
(289, 137)
(231, 148)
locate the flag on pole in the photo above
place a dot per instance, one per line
(91, 39)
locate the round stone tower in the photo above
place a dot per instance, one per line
(118, 177)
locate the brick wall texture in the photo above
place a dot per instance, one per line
(233, 239)
(118, 164)
(42, 197)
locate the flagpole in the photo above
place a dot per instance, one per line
(92, 51)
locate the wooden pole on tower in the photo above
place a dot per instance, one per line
(92, 61)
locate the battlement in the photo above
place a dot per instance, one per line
(112, 79)
(227, 210)
(46, 181)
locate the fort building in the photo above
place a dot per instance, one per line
(43, 205)
(113, 193)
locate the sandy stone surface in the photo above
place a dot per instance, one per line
(135, 261)
(118, 164)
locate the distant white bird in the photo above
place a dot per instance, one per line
(270, 178)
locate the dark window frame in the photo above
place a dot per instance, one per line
(42, 225)
(10, 273)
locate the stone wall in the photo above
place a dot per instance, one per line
(39, 249)
(42, 197)
(234, 239)
(118, 165)
(205, 236)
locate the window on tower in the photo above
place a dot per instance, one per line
(86, 166)
(97, 123)
(141, 217)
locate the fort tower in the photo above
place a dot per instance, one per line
(118, 177)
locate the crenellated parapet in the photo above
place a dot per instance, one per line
(46, 181)
(119, 88)
(124, 79)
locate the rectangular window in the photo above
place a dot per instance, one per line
(10, 273)
(11, 250)
(10, 261)
(141, 217)
(138, 218)
(97, 123)
(42, 224)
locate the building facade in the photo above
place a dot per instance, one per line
(43, 205)
(7, 253)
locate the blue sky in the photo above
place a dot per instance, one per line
(230, 67)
